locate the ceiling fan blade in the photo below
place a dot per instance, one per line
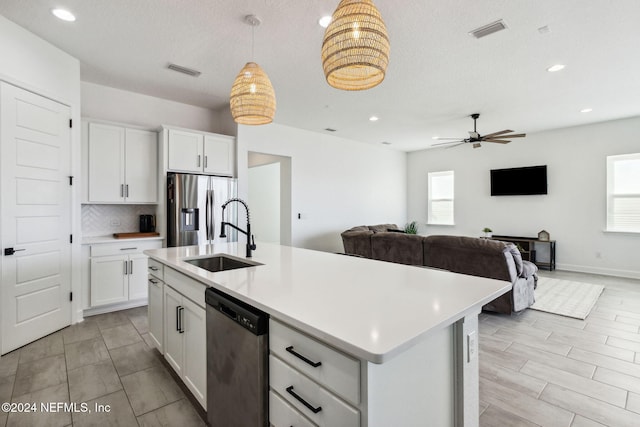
(491, 135)
(514, 135)
(455, 145)
(447, 143)
(438, 138)
(499, 141)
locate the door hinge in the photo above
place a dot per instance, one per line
(71, 123)
(70, 180)
(70, 238)
(70, 296)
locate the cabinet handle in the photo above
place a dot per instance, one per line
(178, 318)
(153, 281)
(205, 161)
(154, 268)
(121, 190)
(126, 190)
(199, 156)
(130, 267)
(181, 330)
(304, 402)
(125, 268)
(301, 357)
(128, 249)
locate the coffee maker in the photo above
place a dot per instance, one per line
(147, 223)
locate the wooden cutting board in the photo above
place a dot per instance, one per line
(135, 235)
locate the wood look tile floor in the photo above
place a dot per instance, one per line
(105, 360)
(536, 369)
(541, 369)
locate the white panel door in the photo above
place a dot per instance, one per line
(195, 350)
(219, 155)
(106, 163)
(138, 264)
(141, 166)
(185, 151)
(109, 279)
(35, 208)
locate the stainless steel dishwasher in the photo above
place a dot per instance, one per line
(237, 364)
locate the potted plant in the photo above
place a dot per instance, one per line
(487, 232)
(411, 228)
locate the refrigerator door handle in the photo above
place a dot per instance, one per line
(208, 215)
(213, 217)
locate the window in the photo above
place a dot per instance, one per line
(623, 193)
(440, 198)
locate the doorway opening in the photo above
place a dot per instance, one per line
(269, 196)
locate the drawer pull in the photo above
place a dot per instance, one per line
(304, 402)
(128, 249)
(153, 281)
(301, 357)
(152, 268)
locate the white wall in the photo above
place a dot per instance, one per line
(574, 211)
(116, 105)
(36, 65)
(264, 199)
(335, 183)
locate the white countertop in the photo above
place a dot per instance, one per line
(94, 240)
(371, 309)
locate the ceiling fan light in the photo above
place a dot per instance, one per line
(355, 47)
(252, 100)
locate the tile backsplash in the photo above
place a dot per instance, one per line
(103, 220)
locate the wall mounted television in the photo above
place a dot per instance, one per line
(519, 181)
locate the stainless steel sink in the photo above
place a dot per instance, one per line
(220, 263)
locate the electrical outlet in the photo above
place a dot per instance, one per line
(472, 346)
(114, 222)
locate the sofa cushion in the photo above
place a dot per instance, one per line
(383, 228)
(357, 242)
(397, 247)
(468, 255)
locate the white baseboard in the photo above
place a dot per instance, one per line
(115, 307)
(630, 274)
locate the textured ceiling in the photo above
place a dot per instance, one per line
(437, 76)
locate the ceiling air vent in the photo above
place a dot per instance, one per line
(484, 31)
(329, 130)
(184, 70)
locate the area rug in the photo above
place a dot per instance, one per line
(566, 298)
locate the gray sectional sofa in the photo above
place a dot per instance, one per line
(467, 255)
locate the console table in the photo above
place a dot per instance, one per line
(528, 251)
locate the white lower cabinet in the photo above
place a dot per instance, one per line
(316, 381)
(118, 272)
(185, 341)
(156, 304)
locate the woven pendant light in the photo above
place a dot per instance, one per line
(355, 48)
(252, 100)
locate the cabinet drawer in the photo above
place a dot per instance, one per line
(281, 414)
(124, 248)
(337, 371)
(188, 287)
(328, 410)
(156, 269)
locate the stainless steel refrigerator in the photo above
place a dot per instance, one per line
(194, 209)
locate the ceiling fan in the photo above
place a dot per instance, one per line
(475, 138)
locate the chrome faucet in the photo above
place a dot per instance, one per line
(251, 243)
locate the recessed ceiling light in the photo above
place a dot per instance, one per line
(555, 68)
(373, 119)
(586, 110)
(324, 21)
(63, 14)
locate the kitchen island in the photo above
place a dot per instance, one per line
(399, 342)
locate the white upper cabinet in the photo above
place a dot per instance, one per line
(123, 164)
(200, 152)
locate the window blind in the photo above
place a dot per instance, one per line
(623, 193)
(440, 198)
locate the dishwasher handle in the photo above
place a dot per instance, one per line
(232, 314)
